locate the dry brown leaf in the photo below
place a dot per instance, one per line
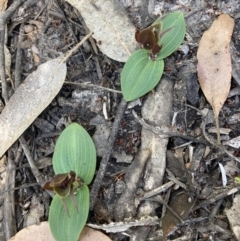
(113, 31)
(181, 206)
(3, 5)
(214, 63)
(42, 232)
(29, 100)
(35, 57)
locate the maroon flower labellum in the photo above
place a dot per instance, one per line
(148, 38)
(65, 184)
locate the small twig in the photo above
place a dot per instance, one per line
(218, 129)
(166, 199)
(160, 199)
(70, 53)
(207, 137)
(164, 131)
(156, 191)
(3, 20)
(21, 187)
(69, 26)
(18, 65)
(171, 177)
(9, 200)
(98, 180)
(215, 209)
(88, 84)
(91, 40)
(217, 197)
(31, 162)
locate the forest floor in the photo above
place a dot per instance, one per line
(165, 177)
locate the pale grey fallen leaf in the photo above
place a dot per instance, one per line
(29, 100)
(235, 142)
(123, 226)
(113, 30)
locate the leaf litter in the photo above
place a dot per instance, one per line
(109, 186)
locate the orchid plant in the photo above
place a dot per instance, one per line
(74, 163)
(144, 68)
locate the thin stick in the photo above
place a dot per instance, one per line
(70, 53)
(164, 131)
(98, 180)
(9, 200)
(31, 162)
(21, 187)
(218, 130)
(156, 191)
(3, 19)
(209, 140)
(18, 65)
(217, 197)
(84, 85)
(160, 199)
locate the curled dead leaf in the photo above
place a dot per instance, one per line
(3, 5)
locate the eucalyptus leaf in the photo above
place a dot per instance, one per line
(174, 25)
(28, 102)
(76, 152)
(140, 75)
(64, 227)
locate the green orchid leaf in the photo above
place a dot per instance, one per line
(140, 75)
(174, 29)
(67, 225)
(76, 152)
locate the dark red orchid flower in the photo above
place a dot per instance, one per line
(149, 38)
(65, 184)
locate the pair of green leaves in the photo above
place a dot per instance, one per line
(142, 72)
(74, 163)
